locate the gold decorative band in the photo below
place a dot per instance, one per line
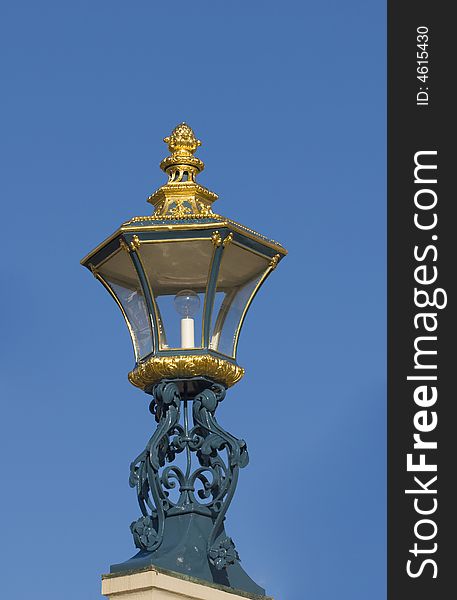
(168, 367)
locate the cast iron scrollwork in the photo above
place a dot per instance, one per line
(206, 488)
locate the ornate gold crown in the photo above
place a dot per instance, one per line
(182, 196)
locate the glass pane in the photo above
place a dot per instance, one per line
(174, 267)
(120, 275)
(239, 275)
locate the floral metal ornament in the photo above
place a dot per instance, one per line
(205, 489)
(223, 554)
(144, 533)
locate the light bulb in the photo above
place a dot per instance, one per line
(187, 303)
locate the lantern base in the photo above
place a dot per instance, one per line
(179, 366)
(184, 550)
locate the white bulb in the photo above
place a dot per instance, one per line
(187, 303)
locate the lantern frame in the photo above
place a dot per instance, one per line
(133, 237)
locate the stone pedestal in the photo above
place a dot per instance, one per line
(158, 584)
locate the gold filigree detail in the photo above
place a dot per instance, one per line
(180, 211)
(205, 210)
(274, 261)
(132, 247)
(93, 270)
(135, 243)
(124, 246)
(216, 239)
(168, 367)
(228, 239)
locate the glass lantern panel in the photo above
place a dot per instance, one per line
(120, 276)
(239, 276)
(172, 267)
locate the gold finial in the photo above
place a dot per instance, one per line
(182, 196)
(182, 144)
(182, 140)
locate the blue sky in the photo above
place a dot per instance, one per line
(289, 101)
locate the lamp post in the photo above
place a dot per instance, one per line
(184, 278)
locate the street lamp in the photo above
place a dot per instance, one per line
(184, 278)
